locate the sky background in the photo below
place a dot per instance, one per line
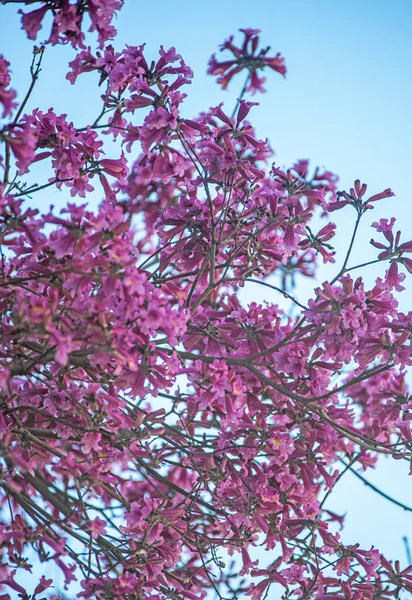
(345, 104)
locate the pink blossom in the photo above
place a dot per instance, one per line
(7, 95)
(97, 527)
(32, 22)
(91, 440)
(116, 168)
(43, 585)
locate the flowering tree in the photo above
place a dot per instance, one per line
(151, 425)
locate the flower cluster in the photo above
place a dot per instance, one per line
(150, 420)
(249, 57)
(394, 251)
(68, 20)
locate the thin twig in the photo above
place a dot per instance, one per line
(376, 489)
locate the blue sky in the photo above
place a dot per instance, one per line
(345, 104)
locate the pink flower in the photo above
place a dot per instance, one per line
(116, 168)
(393, 278)
(31, 22)
(80, 186)
(22, 140)
(4, 378)
(7, 578)
(91, 441)
(7, 95)
(64, 345)
(43, 585)
(97, 527)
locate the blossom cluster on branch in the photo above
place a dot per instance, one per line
(67, 19)
(153, 425)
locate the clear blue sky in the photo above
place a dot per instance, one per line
(346, 104)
